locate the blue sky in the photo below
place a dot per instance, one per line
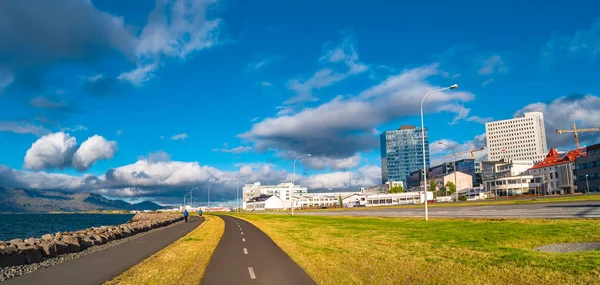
(93, 94)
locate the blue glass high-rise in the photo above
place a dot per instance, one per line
(402, 153)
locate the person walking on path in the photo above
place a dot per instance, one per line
(185, 215)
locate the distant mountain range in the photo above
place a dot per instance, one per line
(42, 201)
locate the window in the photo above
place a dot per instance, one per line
(551, 176)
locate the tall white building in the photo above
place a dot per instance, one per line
(517, 139)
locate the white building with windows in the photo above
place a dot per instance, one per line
(521, 138)
(282, 190)
(557, 172)
(508, 178)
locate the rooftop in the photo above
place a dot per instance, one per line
(554, 158)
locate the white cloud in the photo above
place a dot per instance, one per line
(139, 75)
(168, 180)
(256, 65)
(60, 150)
(560, 113)
(323, 162)
(346, 53)
(74, 129)
(344, 126)
(235, 150)
(492, 65)
(179, 137)
(22, 128)
(51, 151)
(368, 175)
(584, 43)
(174, 30)
(487, 81)
(162, 137)
(266, 84)
(479, 119)
(156, 156)
(93, 149)
(304, 88)
(177, 28)
(119, 132)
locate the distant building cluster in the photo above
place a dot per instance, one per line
(518, 163)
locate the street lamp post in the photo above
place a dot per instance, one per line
(349, 176)
(587, 182)
(453, 168)
(192, 197)
(293, 181)
(208, 201)
(423, 141)
(185, 195)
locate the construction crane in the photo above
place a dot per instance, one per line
(576, 132)
(472, 152)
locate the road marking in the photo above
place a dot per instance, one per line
(243, 240)
(251, 270)
(245, 250)
(240, 229)
(242, 233)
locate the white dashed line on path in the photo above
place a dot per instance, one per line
(242, 233)
(251, 270)
(245, 250)
(243, 240)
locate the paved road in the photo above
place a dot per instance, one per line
(246, 255)
(582, 209)
(99, 267)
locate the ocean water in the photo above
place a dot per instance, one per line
(35, 225)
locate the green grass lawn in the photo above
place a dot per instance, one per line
(500, 201)
(358, 250)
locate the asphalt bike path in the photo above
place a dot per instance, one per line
(99, 267)
(246, 255)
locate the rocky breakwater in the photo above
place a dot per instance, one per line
(32, 250)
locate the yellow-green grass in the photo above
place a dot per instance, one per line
(182, 262)
(500, 201)
(357, 250)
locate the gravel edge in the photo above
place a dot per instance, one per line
(7, 273)
(569, 247)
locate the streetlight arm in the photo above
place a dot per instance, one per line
(438, 90)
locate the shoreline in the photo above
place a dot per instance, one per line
(7, 273)
(33, 250)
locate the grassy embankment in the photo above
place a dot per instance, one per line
(500, 201)
(353, 250)
(182, 262)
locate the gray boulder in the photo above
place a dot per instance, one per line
(48, 237)
(72, 242)
(32, 255)
(11, 256)
(32, 241)
(61, 247)
(48, 248)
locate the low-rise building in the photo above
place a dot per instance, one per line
(558, 172)
(588, 170)
(263, 202)
(282, 190)
(381, 189)
(508, 178)
(463, 180)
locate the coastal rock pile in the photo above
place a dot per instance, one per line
(32, 250)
